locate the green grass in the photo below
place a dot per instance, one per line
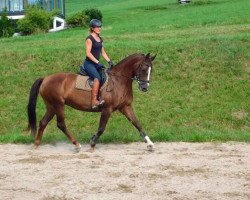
(200, 88)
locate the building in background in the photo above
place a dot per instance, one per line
(15, 8)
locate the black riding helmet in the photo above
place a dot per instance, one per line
(95, 23)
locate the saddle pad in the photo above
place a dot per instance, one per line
(82, 83)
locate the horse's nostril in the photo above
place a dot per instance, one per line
(144, 89)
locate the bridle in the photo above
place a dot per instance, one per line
(136, 77)
(138, 69)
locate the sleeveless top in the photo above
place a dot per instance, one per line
(96, 48)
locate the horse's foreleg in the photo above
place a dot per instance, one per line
(129, 113)
(62, 126)
(106, 112)
(42, 125)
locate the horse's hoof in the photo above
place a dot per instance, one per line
(91, 149)
(34, 146)
(150, 147)
(92, 143)
(78, 147)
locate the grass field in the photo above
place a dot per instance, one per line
(200, 89)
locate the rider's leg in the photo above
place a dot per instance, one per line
(93, 73)
(95, 89)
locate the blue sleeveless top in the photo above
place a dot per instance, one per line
(96, 48)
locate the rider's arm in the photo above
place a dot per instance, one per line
(104, 55)
(88, 45)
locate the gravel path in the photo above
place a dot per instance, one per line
(126, 171)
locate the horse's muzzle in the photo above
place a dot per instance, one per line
(143, 87)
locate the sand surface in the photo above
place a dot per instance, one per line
(126, 171)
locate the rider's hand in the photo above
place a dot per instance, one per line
(100, 65)
(111, 64)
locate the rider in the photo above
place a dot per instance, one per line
(92, 65)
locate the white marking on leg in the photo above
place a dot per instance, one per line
(148, 140)
(78, 147)
(150, 145)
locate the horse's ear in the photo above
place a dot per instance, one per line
(153, 57)
(148, 56)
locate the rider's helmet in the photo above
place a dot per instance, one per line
(95, 23)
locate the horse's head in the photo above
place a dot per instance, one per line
(143, 72)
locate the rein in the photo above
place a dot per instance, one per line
(133, 78)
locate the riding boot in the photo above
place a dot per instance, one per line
(95, 90)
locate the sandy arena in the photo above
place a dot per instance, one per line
(175, 171)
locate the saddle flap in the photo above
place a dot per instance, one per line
(86, 83)
(82, 83)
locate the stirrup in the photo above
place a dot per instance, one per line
(98, 105)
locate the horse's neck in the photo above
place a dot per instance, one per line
(127, 66)
(123, 74)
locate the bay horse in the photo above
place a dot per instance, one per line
(58, 90)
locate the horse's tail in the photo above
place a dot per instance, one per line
(31, 108)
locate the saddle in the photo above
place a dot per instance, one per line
(84, 82)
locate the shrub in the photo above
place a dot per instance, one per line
(78, 20)
(93, 14)
(81, 19)
(14, 24)
(6, 27)
(25, 26)
(36, 20)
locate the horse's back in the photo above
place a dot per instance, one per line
(56, 85)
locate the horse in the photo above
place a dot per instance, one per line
(58, 90)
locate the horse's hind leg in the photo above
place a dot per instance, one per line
(62, 126)
(42, 125)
